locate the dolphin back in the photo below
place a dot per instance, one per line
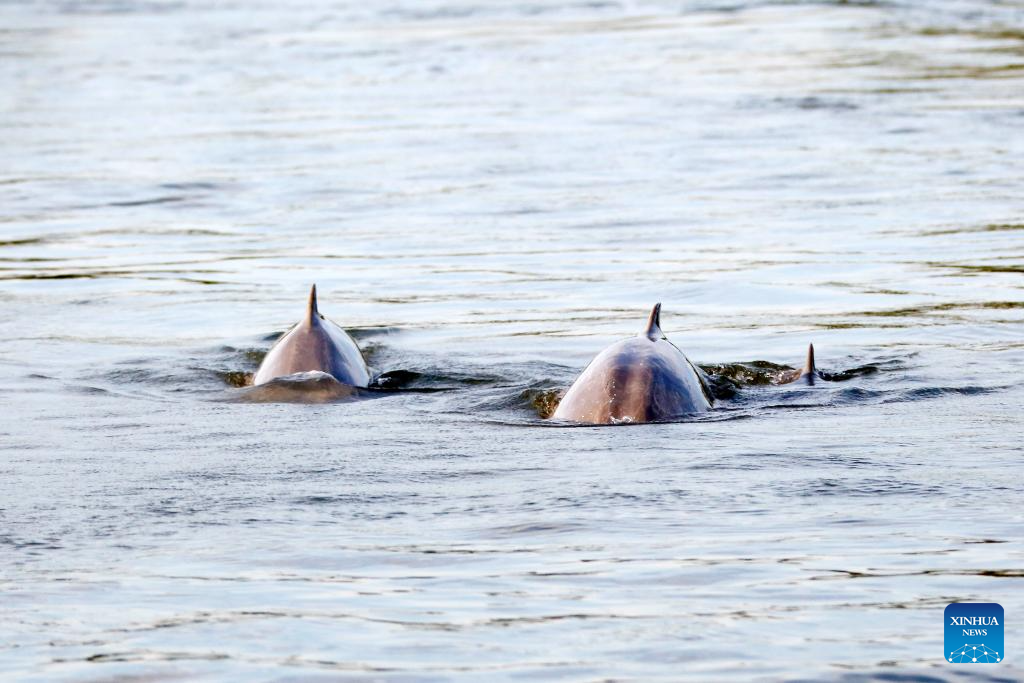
(315, 344)
(641, 379)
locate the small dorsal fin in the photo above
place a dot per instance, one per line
(653, 329)
(311, 312)
(809, 368)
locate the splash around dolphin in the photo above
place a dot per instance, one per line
(641, 379)
(315, 344)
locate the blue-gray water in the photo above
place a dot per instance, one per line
(486, 195)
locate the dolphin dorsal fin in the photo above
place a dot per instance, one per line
(311, 312)
(653, 329)
(809, 368)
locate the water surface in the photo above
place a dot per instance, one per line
(486, 195)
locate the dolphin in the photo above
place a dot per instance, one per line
(641, 379)
(315, 344)
(808, 374)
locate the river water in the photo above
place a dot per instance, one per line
(487, 194)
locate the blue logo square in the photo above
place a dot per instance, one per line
(974, 633)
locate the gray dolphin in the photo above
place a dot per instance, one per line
(315, 344)
(641, 379)
(808, 374)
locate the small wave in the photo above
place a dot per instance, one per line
(186, 186)
(865, 487)
(859, 395)
(531, 529)
(409, 375)
(424, 382)
(813, 102)
(845, 375)
(926, 393)
(153, 200)
(728, 378)
(25, 241)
